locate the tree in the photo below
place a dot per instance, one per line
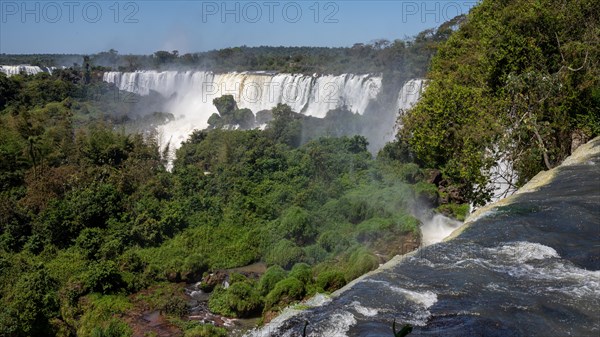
(286, 126)
(8, 90)
(35, 303)
(162, 57)
(225, 105)
(533, 87)
(244, 118)
(297, 226)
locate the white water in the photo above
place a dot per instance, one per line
(27, 69)
(368, 312)
(287, 313)
(192, 93)
(539, 266)
(437, 228)
(310, 95)
(422, 301)
(409, 95)
(337, 325)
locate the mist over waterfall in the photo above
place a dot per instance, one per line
(195, 90)
(409, 94)
(437, 228)
(191, 93)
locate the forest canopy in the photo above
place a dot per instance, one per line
(519, 82)
(93, 228)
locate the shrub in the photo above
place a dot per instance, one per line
(241, 299)
(285, 292)
(314, 254)
(33, 304)
(237, 277)
(112, 248)
(426, 193)
(360, 262)
(372, 229)
(410, 173)
(297, 226)
(115, 328)
(284, 253)
(270, 278)
(131, 261)
(302, 272)
(205, 330)
(333, 241)
(331, 280)
(193, 267)
(459, 212)
(103, 277)
(175, 305)
(99, 316)
(89, 242)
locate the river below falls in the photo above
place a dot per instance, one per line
(526, 267)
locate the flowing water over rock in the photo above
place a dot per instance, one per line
(410, 94)
(191, 94)
(436, 228)
(195, 90)
(26, 69)
(528, 265)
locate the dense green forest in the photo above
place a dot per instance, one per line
(94, 229)
(519, 80)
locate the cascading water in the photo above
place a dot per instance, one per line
(310, 95)
(27, 69)
(525, 266)
(409, 94)
(191, 94)
(437, 228)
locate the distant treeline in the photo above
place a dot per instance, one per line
(407, 56)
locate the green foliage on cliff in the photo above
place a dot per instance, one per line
(518, 80)
(241, 299)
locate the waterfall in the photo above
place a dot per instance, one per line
(310, 95)
(409, 95)
(27, 69)
(437, 228)
(191, 94)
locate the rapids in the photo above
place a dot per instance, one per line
(528, 265)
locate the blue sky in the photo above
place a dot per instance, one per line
(142, 27)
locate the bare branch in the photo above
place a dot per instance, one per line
(563, 57)
(583, 65)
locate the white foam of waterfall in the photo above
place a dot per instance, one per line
(192, 93)
(195, 90)
(27, 69)
(336, 326)
(409, 95)
(437, 228)
(287, 313)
